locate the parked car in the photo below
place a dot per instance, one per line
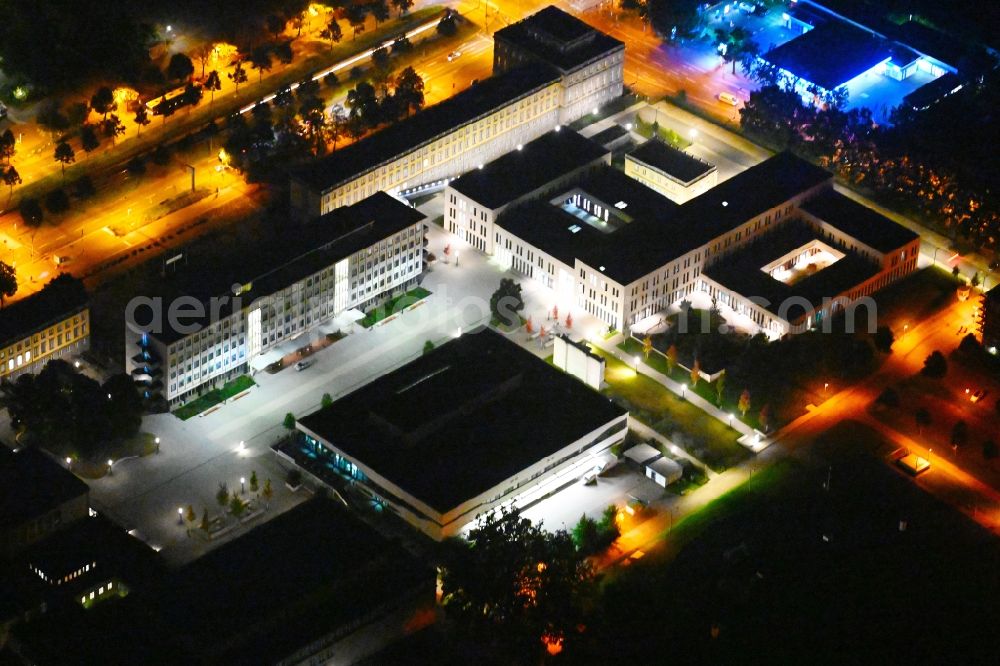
(589, 478)
(454, 55)
(729, 98)
(302, 365)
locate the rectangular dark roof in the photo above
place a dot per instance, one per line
(520, 172)
(444, 445)
(651, 242)
(868, 226)
(741, 271)
(931, 93)
(312, 247)
(831, 54)
(931, 42)
(558, 38)
(31, 484)
(671, 161)
(61, 297)
(610, 134)
(407, 135)
(562, 235)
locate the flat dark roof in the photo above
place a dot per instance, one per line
(861, 222)
(832, 54)
(932, 92)
(310, 248)
(932, 42)
(741, 271)
(32, 484)
(465, 417)
(653, 240)
(552, 230)
(606, 136)
(408, 134)
(671, 161)
(64, 295)
(520, 172)
(558, 38)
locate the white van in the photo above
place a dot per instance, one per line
(729, 98)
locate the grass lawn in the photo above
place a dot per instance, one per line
(706, 390)
(668, 135)
(214, 397)
(786, 570)
(915, 298)
(394, 305)
(689, 427)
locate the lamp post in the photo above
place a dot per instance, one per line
(684, 388)
(180, 516)
(110, 466)
(635, 363)
(157, 440)
(243, 486)
(826, 385)
(730, 420)
(69, 462)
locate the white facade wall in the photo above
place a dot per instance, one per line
(669, 187)
(592, 86)
(461, 149)
(225, 347)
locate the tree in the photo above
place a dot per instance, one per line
(191, 516)
(11, 178)
(974, 280)
(506, 302)
(89, 140)
(379, 10)
(428, 347)
(254, 486)
(695, 373)
(534, 590)
(103, 101)
(674, 17)
(447, 27)
(410, 90)
(889, 397)
(289, 421)
(8, 282)
(180, 67)
(8, 145)
(222, 495)
(923, 418)
(236, 506)
(283, 52)
(64, 155)
(935, 365)
(720, 387)
(671, 358)
(744, 404)
(275, 24)
(363, 104)
(260, 59)
(267, 492)
(959, 434)
(990, 450)
(332, 32)
(647, 346)
(381, 59)
(213, 83)
(401, 45)
(192, 95)
(31, 212)
(83, 188)
(238, 75)
(56, 201)
(402, 5)
(356, 14)
(884, 339)
(737, 47)
(970, 345)
(585, 535)
(113, 127)
(141, 118)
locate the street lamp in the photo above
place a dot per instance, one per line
(693, 133)
(110, 466)
(456, 258)
(243, 487)
(635, 361)
(69, 461)
(684, 388)
(730, 420)
(180, 516)
(826, 385)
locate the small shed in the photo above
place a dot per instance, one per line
(642, 454)
(664, 471)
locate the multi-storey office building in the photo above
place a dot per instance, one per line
(622, 252)
(475, 126)
(476, 423)
(352, 257)
(474, 200)
(591, 64)
(671, 172)
(53, 323)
